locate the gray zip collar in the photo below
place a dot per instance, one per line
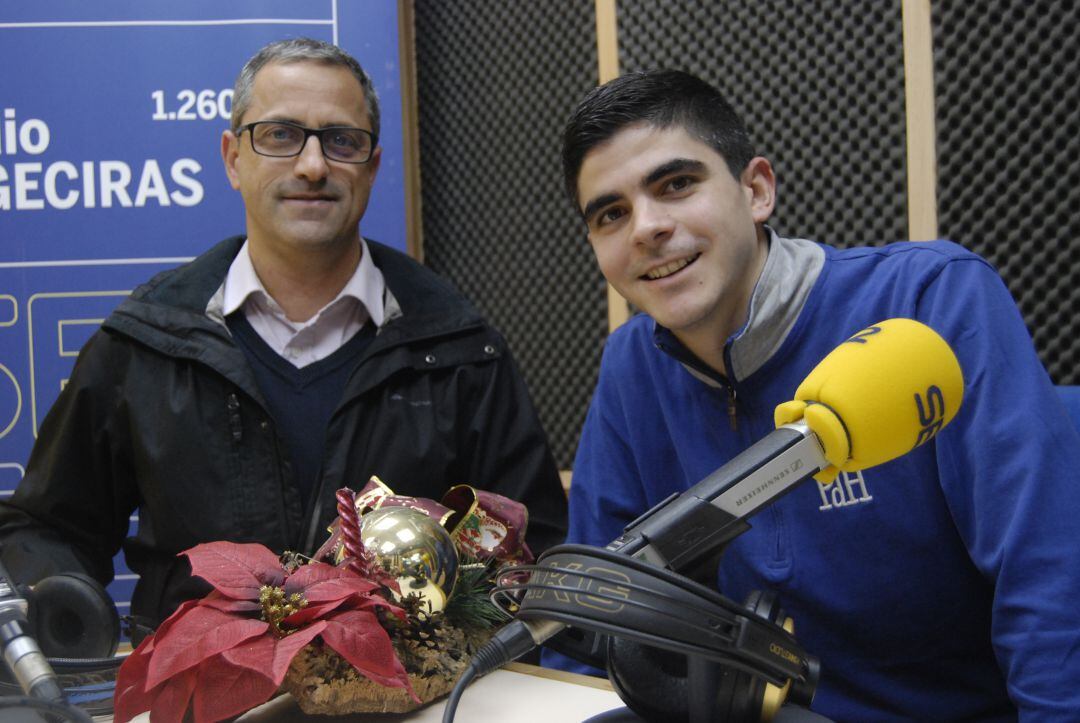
(791, 269)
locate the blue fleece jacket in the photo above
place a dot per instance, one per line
(940, 586)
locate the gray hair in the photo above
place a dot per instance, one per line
(298, 50)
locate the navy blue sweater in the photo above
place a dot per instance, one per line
(301, 401)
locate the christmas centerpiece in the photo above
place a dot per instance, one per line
(383, 618)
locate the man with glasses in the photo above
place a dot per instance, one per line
(230, 398)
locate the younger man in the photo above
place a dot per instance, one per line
(941, 585)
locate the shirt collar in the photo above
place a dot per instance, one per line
(366, 285)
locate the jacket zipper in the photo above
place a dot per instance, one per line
(732, 407)
(732, 410)
(232, 403)
(236, 425)
(780, 552)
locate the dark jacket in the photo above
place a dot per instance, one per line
(162, 414)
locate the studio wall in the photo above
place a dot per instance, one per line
(1008, 142)
(495, 80)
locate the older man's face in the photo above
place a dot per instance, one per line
(305, 201)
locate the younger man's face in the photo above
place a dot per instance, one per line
(673, 231)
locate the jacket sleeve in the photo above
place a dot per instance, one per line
(607, 491)
(67, 515)
(1010, 470)
(509, 452)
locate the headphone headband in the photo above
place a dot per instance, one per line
(613, 594)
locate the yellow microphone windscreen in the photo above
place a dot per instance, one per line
(880, 394)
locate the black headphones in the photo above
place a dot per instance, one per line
(694, 689)
(75, 624)
(73, 617)
(675, 650)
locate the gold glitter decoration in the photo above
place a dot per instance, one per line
(276, 607)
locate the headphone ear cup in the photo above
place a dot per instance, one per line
(745, 696)
(655, 684)
(647, 678)
(72, 616)
(764, 604)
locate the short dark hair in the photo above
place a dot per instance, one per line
(298, 50)
(659, 98)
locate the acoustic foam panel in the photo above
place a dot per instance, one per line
(496, 83)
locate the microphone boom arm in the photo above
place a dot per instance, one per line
(693, 526)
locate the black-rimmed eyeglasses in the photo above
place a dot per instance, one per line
(281, 139)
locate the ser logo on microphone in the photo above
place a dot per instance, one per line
(931, 409)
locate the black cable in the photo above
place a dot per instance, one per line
(52, 708)
(87, 683)
(455, 695)
(94, 698)
(85, 665)
(509, 643)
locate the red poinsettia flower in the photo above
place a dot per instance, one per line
(229, 652)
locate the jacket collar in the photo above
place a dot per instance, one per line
(791, 269)
(418, 303)
(173, 313)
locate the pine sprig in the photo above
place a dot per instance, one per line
(469, 605)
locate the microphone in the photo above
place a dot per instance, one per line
(21, 652)
(883, 392)
(880, 394)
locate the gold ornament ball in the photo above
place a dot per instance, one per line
(415, 549)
